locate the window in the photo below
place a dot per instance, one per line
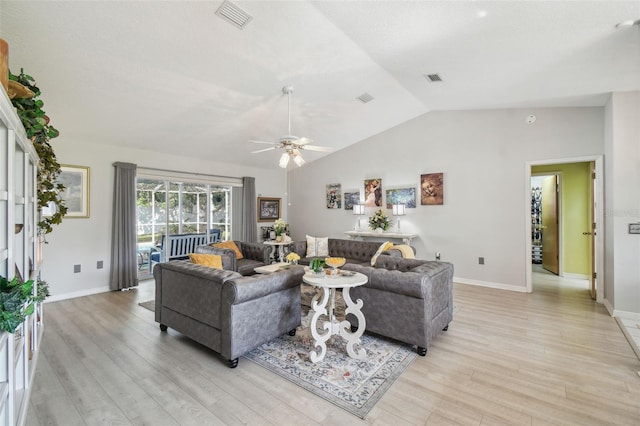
(180, 208)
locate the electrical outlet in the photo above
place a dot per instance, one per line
(100, 264)
(481, 261)
(76, 269)
(437, 255)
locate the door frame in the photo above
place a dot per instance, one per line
(598, 218)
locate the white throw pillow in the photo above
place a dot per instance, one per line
(384, 246)
(317, 247)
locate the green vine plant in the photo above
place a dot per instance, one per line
(38, 129)
(14, 308)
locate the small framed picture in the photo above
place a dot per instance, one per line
(76, 190)
(269, 209)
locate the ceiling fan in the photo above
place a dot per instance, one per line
(291, 144)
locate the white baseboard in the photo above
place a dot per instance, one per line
(499, 286)
(88, 292)
(635, 316)
(607, 305)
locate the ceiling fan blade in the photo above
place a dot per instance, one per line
(316, 148)
(263, 150)
(270, 143)
(303, 141)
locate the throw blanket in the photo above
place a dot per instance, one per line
(405, 250)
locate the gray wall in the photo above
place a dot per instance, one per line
(482, 155)
(622, 202)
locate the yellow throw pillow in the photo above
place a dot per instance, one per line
(229, 245)
(210, 260)
(383, 247)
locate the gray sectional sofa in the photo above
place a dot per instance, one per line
(224, 310)
(409, 300)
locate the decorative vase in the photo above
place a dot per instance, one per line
(379, 230)
(278, 238)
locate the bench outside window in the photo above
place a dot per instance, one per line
(180, 245)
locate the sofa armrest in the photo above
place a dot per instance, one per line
(254, 251)
(243, 289)
(412, 284)
(228, 256)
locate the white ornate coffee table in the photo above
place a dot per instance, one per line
(329, 284)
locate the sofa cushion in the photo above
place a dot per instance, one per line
(229, 245)
(317, 246)
(210, 260)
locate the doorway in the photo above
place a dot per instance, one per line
(579, 246)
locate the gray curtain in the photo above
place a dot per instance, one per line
(250, 210)
(244, 211)
(124, 263)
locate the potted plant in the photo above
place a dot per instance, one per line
(279, 227)
(379, 221)
(15, 303)
(317, 266)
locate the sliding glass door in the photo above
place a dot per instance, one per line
(168, 208)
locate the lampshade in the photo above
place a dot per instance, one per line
(284, 160)
(398, 209)
(358, 209)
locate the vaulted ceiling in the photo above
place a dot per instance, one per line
(176, 77)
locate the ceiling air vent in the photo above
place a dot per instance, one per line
(432, 77)
(364, 98)
(233, 14)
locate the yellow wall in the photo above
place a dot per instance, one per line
(576, 214)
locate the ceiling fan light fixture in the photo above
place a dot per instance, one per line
(298, 160)
(284, 160)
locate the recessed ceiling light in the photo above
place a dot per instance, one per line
(481, 13)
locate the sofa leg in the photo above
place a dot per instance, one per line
(292, 332)
(163, 327)
(421, 351)
(446, 327)
(233, 363)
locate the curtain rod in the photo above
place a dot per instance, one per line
(187, 173)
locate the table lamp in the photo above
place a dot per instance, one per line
(358, 209)
(398, 210)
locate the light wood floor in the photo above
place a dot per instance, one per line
(550, 357)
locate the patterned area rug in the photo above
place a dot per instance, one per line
(353, 385)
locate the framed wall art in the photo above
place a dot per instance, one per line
(269, 209)
(406, 196)
(334, 196)
(373, 192)
(432, 189)
(351, 198)
(76, 190)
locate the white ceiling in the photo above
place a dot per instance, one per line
(174, 77)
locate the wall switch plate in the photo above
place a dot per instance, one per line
(76, 269)
(100, 264)
(481, 261)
